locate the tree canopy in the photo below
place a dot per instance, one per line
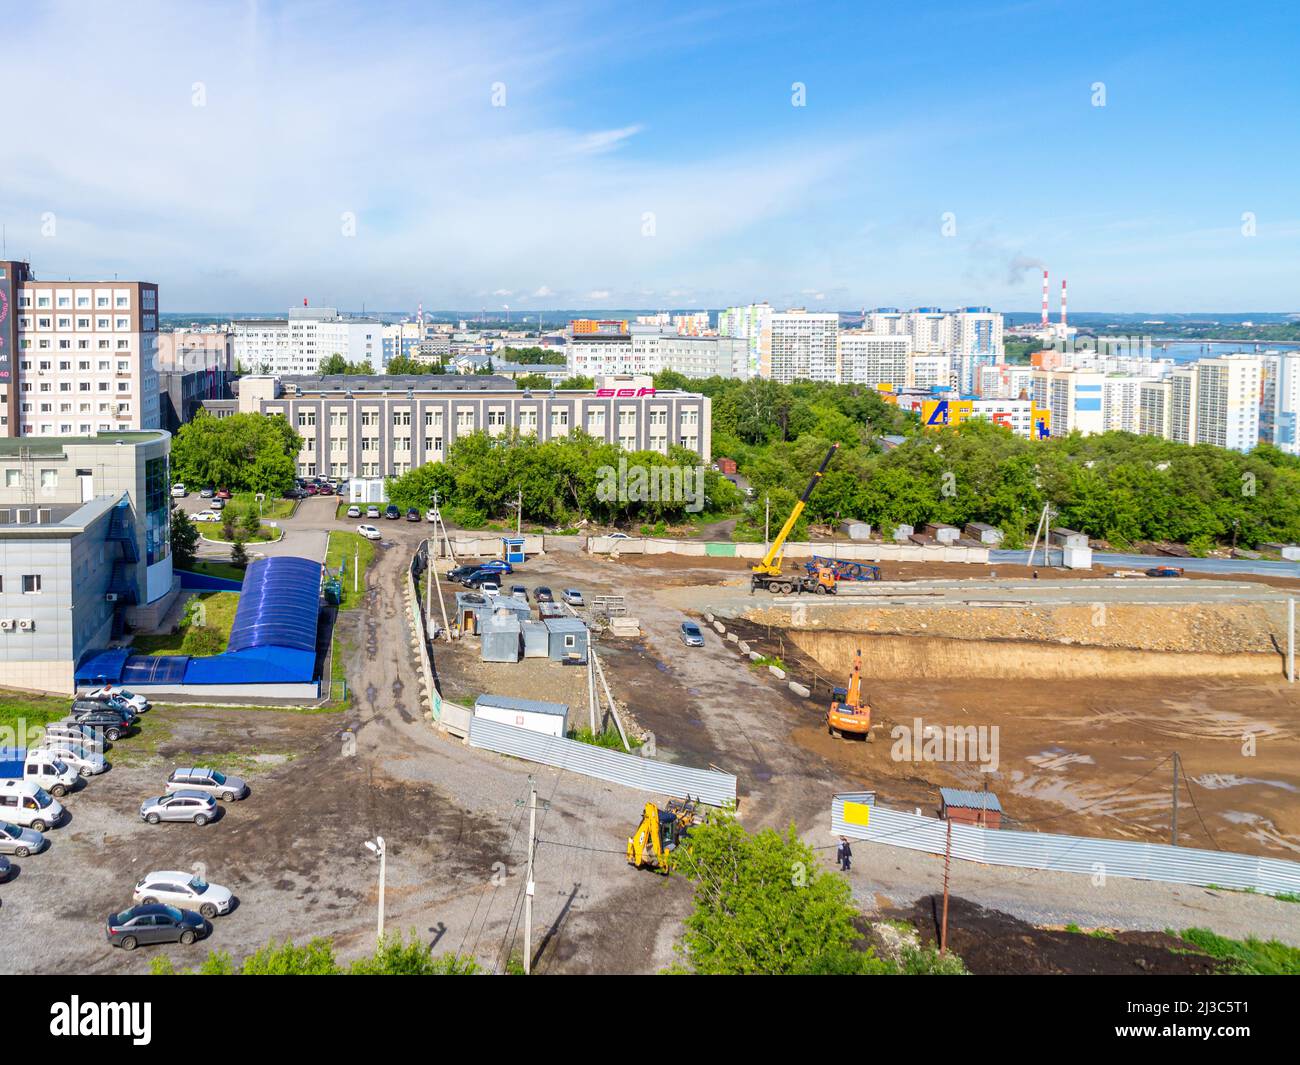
(244, 452)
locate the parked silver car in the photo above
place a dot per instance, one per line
(208, 782)
(187, 890)
(180, 806)
(20, 841)
(573, 597)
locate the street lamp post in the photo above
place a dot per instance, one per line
(376, 847)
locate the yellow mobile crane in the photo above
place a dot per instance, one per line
(767, 574)
(659, 833)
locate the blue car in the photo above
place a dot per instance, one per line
(498, 565)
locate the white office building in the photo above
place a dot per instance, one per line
(752, 323)
(299, 343)
(1227, 401)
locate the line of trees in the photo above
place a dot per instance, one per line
(561, 481)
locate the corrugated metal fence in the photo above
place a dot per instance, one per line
(631, 771)
(1072, 854)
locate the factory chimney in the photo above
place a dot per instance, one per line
(1044, 299)
(1062, 303)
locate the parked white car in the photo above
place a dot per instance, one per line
(188, 890)
(179, 491)
(74, 756)
(369, 532)
(137, 702)
(205, 515)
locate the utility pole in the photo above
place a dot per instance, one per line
(356, 571)
(947, 861)
(1290, 640)
(519, 514)
(591, 689)
(377, 848)
(428, 584)
(1173, 832)
(528, 884)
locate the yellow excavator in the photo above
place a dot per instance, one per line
(849, 715)
(767, 574)
(659, 833)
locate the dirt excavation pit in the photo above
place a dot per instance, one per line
(1083, 748)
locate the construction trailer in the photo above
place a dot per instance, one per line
(567, 640)
(502, 637)
(856, 530)
(902, 533)
(942, 533)
(962, 807)
(550, 719)
(537, 641)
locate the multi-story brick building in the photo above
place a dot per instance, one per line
(76, 357)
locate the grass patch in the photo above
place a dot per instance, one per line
(352, 548)
(204, 630)
(21, 711)
(608, 738)
(340, 693)
(272, 509)
(768, 660)
(264, 535)
(225, 570)
(1251, 957)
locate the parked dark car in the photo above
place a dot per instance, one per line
(412, 514)
(480, 577)
(296, 493)
(154, 924)
(542, 594)
(459, 573)
(100, 716)
(391, 512)
(325, 489)
(123, 706)
(311, 489)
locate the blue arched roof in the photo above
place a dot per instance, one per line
(279, 606)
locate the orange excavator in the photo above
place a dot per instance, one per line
(848, 714)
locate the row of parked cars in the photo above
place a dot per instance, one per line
(392, 512)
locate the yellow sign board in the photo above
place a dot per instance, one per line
(857, 813)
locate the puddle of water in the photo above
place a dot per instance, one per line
(1217, 781)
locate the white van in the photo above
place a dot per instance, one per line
(47, 770)
(26, 804)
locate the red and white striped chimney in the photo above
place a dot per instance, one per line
(1044, 299)
(1063, 301)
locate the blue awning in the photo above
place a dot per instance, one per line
(102, 667)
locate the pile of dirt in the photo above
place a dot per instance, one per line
(1203, 628)
(992, 942)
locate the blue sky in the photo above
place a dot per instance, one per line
(246, 155)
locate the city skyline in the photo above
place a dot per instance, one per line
(281, 151)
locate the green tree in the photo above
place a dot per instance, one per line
(764, 906)
(184, 539)
(251, 522)
(238, 553)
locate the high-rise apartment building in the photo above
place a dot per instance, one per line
(1279, 411)
(1227, 401)
(76, 357)
(874, 358)
(753, 323)
(805, 346)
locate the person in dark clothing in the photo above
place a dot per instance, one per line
(844, 854)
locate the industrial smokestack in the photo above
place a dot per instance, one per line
(1062, 302)
(1044, 299)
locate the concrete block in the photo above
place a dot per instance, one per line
(778, 673)
(733, 637)
(800, 690)
(744, 647)
(754, 656)
(719, 626)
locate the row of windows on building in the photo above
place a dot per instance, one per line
(496, 417)
(83, 301)
(103, 325)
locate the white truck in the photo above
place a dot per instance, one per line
(39, 766)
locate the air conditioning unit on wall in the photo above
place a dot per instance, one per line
(6, 624)
(26, 624)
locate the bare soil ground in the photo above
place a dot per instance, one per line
(994, 943)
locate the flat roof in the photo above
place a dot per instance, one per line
(44, 444)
